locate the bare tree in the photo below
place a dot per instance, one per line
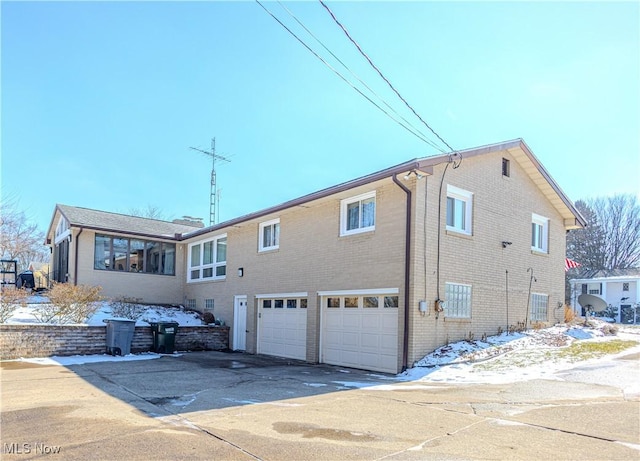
(152, 212)
(20, 239)
(611, 239)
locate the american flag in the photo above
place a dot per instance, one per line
(570, 264)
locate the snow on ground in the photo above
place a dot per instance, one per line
(534, 354)
(24, 314)
(82, 359)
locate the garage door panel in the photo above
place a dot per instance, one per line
(360, 337)
(350, 339)
(350, 320)
(372, 322)
(388, 342)
(283, 332)
(370, 341)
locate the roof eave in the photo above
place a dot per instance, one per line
(377, 176)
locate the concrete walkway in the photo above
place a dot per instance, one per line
(229, 406)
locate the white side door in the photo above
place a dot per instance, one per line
(240, 323)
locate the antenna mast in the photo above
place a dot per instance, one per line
(214, 192)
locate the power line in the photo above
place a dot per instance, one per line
(419, 136)
(382, 76)
(356, 77)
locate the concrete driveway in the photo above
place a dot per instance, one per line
(215, 405)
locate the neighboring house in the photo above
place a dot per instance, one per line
(373, 273)
(620, 288)
(41, 273)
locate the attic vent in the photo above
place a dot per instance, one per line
(506, 170)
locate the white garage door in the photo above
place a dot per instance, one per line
(282, 327)
(361, 331)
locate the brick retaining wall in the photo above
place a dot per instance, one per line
(26, 341)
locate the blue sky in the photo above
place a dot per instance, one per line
(101, 101)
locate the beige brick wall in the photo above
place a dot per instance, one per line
(312, 257)
(24, 341)
(502, 208)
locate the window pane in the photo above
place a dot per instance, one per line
(333, 302)
(460, 217)
(351, 302)
(368, 212)
(450, 211)
(120, 250)
(221, 271)
(370, 301)
(276, 234)
(292, 303)
(390, 301)
(266, 303)
(353, 215)
(195, 274)
(278, 303)
(195, 255)
(207, 257)
(154, 251)
(221, 251)
(458, 300)
(101, 254)
(266, 236)
(539, 305)
(207, 273)
(168, 258)
(136, 256)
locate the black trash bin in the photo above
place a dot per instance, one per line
(164, 336)
(119, 336)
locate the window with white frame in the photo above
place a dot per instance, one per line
(269, 235)
(208, 259)
(459, 210)
(539, 307)
(539, 233)
(358, 214)
(458, 300)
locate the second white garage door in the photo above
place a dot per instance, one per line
(360, 331)
(282, 327)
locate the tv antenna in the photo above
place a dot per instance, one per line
(213, 198)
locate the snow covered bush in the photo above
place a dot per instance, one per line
(69, 303)
(10, 301)
(128, 308)
(208, 318)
